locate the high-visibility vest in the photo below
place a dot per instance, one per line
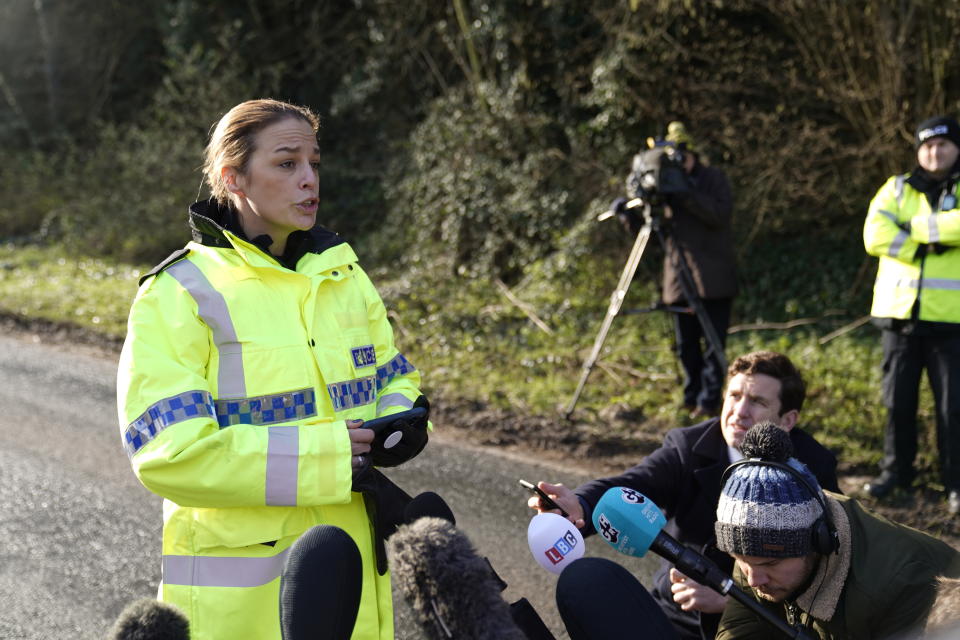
(234, 383)
(898, 221)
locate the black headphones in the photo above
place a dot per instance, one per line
(825, 539)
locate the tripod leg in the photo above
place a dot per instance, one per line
(616, 301)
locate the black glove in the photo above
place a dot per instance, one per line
(921, 251)
(413, 441)
(619, 206)
(939, 248)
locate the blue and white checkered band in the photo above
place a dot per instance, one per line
(269, 409)
(164, 413)
(361, 391)
(365, 356)
(398, 366)
(352, 393)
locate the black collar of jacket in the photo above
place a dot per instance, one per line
(209, 219)
(711, 447)
(926, 184)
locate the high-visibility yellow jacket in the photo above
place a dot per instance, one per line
(235, 380)
(899, 220)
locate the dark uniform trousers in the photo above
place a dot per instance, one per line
(703, 375)
(905, 356)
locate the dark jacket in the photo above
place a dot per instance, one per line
(879, 585)
(701, 230)
(682, 477)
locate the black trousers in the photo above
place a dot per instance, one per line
(600, 600)
(703, 377)
(905, 356)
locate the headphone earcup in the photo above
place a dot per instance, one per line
(824, 540)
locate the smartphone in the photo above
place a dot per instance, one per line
(545, 500)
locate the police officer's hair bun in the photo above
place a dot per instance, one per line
(767, 441)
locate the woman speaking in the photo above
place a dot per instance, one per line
(252, 356)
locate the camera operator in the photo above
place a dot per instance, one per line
(697, 205)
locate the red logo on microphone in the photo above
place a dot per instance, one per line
(561, 548)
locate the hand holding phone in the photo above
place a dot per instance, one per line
(545, 500)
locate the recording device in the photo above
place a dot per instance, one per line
(554, 541)
(453, 592)
(320, 586)
(400, 436)
(657, 173)
(632, 524)
(388, 429)
(150, 619)
(545, 499)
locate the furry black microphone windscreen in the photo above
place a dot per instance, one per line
(451, 589)
(150, 619)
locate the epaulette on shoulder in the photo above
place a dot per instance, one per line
(169, 260)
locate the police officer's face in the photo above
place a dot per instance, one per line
(749, 399)
(937, 156)
(775, 579)
(277, 194)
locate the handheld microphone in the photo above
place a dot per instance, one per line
(150, 619)
(554, 541)
(452, 591)
(631, 523)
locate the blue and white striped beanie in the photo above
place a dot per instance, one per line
(765, 511)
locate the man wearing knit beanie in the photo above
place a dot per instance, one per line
(913, 227)
(818, 559)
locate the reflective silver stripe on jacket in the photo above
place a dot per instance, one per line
(901, 237)
(393, 400)
(941, 283)
(890, 215)
(213, 311)
(933, 228)
(283, 456)
(897, 244)
(363, 391)
(164, 413)
(898, 187)
(945, 284)
(269, 409)
(209, 571)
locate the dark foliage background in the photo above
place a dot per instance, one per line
(470, 138)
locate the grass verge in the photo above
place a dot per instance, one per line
(507, 377)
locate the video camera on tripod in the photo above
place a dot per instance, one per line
(657, 176)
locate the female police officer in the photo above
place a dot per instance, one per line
(251, 355)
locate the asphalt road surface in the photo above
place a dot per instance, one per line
(80, 537)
